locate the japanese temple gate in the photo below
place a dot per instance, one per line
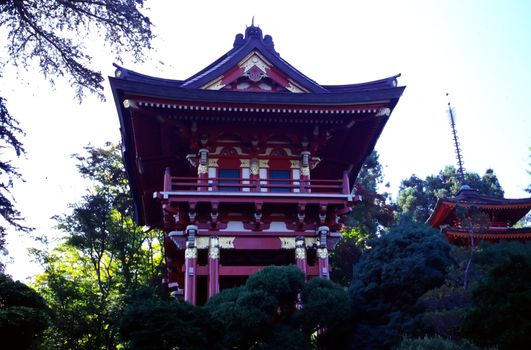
(247, 163)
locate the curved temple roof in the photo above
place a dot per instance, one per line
(249, 82)
(254, 49)
(511, 210)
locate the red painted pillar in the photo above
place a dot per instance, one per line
(167, 180)
(254, 175)
(322, 252)
(213, 266)
(300, 255)
(346, 185)
(202, 170)
(190, 266)
(324, 268)
(305, 171)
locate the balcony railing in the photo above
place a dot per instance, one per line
(256, 185)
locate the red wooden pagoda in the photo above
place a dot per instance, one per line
(247, 163)
(500, 215)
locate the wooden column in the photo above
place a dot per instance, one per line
(167, 180)
(190, 266)
(254, 175)
(324, 268)
(322, 252)
(202, 170)
(213, 266)
(300, 255)
(305, 171)
(190, 279)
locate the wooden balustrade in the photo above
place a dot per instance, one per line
(217, 184)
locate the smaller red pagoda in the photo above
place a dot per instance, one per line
(500, 215)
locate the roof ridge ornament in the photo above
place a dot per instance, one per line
(254, 32)
(457, 145)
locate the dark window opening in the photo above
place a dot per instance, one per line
(279, 177)
(225, 176)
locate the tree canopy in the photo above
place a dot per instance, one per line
(264, 313)
(366, 221)
(51, 36)
(9, 142)
(55, 42)
(399, 267)
(418, 197)
(23, 314)
(501, 311)
(103, 258)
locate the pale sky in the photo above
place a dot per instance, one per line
(478, 51)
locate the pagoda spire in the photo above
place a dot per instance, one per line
(457, 145)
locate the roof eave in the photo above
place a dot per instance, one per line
(154, 90)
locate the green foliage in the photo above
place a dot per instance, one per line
(345, 254)
(9, 141)
(23, 314)
(501, 313)
(367, 219)
(418, 197)
(400, 266)
(286, 337)
(251, 312)
(326, 307)
(104, 257)
(435, 343)
(167, 324)
(445, 309)
(373, 213)
(80, 312)
(264, 313)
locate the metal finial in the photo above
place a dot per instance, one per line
(458, 156)
(252, 22)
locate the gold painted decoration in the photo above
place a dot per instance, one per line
(263, 163)
(190, 253)
(192, 159)
(254, 59)
(295, 164)
(215, 85)
(226, 242)
(202, 242)
(305, 171)
(130, 104)
(245, 163)
(300, 253)
(213, 162)
(314, 162)
(294, 88)
(213, 252)
(322, 253)
(287, 242)
(255, 67)
(383, 112)
(310, 241)
(202, 169)
(255, 170)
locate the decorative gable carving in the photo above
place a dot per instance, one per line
(254, 74)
